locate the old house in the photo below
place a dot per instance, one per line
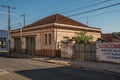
(44, 36)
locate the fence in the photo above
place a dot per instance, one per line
(84, 51)
(78, 51)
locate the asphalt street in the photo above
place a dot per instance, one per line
(27, 69)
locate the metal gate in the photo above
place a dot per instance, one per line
(30, 45)
(18, 45)
(90, 53)
(84, 51)
(79, 51)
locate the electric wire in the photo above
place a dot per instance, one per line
(88, 6)
(94, 9)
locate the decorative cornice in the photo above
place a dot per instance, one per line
(57, 25)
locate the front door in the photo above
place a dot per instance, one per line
(30, 45)
(18, 45)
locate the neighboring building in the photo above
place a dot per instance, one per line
(44, 36)
(110, 37)
(3, 40)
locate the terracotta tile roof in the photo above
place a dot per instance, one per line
(57, 18)
(110, 37)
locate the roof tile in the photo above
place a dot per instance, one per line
(56, 18)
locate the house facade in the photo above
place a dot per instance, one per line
(3, 40)
(44, 36)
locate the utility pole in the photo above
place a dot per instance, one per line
(9, 10)
(23, 18)
(87, 20)
(21, 31)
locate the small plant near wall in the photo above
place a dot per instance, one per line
(81, 37)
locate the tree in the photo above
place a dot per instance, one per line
(81, 37)
(116, 33)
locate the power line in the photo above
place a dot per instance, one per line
(4, 28)
(2, 18)
(86, 2)
(113, 11)
(98, 3)
(23, 19)
(88, 6)
(9, 9)
(62, 10)
(106, 0)
(94, 9)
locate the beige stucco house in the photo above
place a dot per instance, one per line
(44, 36)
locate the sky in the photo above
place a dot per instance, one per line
(108, 19)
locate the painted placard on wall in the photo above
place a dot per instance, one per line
(108, 52)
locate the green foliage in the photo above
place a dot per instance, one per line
(116, 33)
(81, 37)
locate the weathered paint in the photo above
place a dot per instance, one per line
(58, 31)
(109, 52)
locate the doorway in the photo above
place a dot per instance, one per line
(18, 45)
(30, 45)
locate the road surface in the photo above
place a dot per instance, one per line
(27, 69)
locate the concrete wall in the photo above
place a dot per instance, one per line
(71, 33)
(78, 51)
(67, 50)
(95, 35)
(108, 52)
(39, 40)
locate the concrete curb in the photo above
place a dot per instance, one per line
(67, 63)
(53, 61)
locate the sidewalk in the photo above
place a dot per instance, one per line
(100, 66)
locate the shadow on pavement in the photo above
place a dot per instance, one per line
(67, 73)
(6, 55)
(14, 55)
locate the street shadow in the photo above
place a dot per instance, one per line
(6, 55)
(17, 56)
(67, 73)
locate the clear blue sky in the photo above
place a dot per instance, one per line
(107, 19)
